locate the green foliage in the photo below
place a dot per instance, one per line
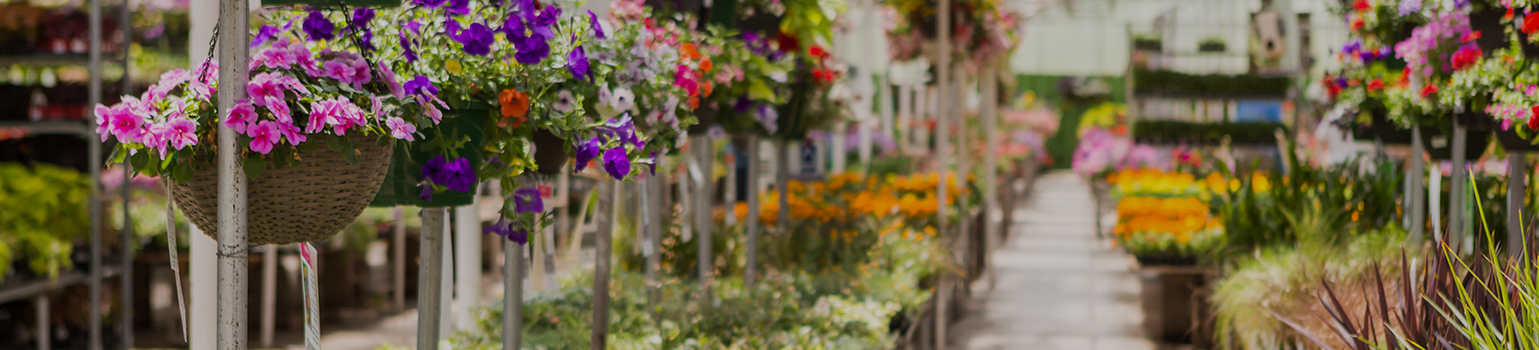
(1191, 133)
(43, 208)
(1168, 83)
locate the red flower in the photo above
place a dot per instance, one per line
(1507, 16)
(1428, 90)
(818, 52)
(1533, 118)
(1361, 5)
(787, 42)
(1376, 84)
(1470, 37)
(1357, 24)
(1464, 58)
(1530, 24)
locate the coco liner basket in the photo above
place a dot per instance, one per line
(308, 203)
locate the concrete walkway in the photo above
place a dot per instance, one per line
(1057, 285)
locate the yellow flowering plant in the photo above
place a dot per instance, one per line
(1166, 213)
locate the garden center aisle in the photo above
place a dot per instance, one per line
(1058, 286)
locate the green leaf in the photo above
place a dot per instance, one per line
(182, 172)
(139, 160)
(351, 156)
(307, 147)
(759, 91)
(119, 154)
(336, 143)
(254, 167)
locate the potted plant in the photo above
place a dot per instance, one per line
(43, 208)
(1212, 44)
(311, 83)
(1146, 42)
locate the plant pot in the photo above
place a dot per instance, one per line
(1439, 144)
(1165, 260)
(308, 203)
(468, 118)
(1170, 302)
(1211, 47)
(1388, 132)
(331, 3)
(705, 117)
(549, 152)
(1476, 121)
(1512, 142)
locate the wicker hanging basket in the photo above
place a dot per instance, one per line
(308, 203)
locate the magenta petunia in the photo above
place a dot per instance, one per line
(400, 129)
(180, 133)
(264, 136)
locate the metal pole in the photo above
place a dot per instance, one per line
(1418, 198)
(43, 337)
(203, 316)
(990, 166)
(467, 227)
(651, 227)
(1456, 189)
(783, 182)
(942, 127)
(603, 254)
(233, 18)
(269, 293)
(430, 278)
(95, 153)
(400, 258)
(751, 268)
(512, 295)
(126, 84)
(702, 216)
(1517, 174)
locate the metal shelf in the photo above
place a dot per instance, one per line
(51, 127)
(24, 290)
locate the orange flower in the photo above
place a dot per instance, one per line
(515, 105)
(690, 51)
(694, 102)
(705, 66)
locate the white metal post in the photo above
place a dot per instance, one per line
(44, 332)
(1417, 198)
(990, 81)
(1456, 196)
(400, 259)
(603, 254)
(942, 144)
(233, 17)
(1517, 171)
(512, 295)
(430, 278)
(446, 285)
(751, 268)
(95, 154)
(269, 293)
(838, 148)
(703, 186)
(467, 229)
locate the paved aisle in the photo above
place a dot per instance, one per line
(1058, 286)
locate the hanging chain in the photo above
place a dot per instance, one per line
(213, 42)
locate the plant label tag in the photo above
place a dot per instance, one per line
(1439, 141)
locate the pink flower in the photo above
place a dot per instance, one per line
(291, 133)
(156, 137)
(121, 121)
(241, 117)
(104, 117)
(400, 129)
(264, 136)
(275, 57)
(180, 133)
(266, 89)
(339, 113)
(337, 69)
(174, 77)
(390, 79)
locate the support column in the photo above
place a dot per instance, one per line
(512, 295)
(94, 329)
(783, 182)
(430, 278)
(942, 143)
(467, 262)
(604, 216)
(990, 81)
(1456, 233)
(400, 259)
(233, 17)
(1418, 206)
(751, 268)
(703, 185)
(44, 332)
(202, 271)
(269, 293)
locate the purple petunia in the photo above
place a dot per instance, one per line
(505, 228)
(411, 55)
(593, 22)
(436, 170)
(586, 152)
(361, 18)
(263, 35)
(477, 39)
(318, 27)
(432, 4)
(616, 163)
(577, 63)
(527, 200)
(421, 86)
(458, 7)
(460, 175)
(623, 129)
(533, 49)
(427, 193)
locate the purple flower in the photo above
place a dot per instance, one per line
(513, 28)
(427, 193)
(477, 39)
(623, 129)
(361, 18)
(263, 35)
(586, 152)
(533, 49)
(432, 4)
(577, 63)
(421, 86)
(616, 163)
(768, 118)
(458, 7)
(742, 105)
(318, 27)
(1409, 6)
(411, 55)
(505, 228)
(593, 22)
(527, 200)
(653, 163)
(543, 22)
(436, 170)
(461, 176)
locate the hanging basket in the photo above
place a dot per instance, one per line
(1512, 142)
(1440, 144)
(549, 152)
(1388, 132)
(308, 203)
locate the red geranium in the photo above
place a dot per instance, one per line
(1428, 90)
(1530, 24)
(1362, 5)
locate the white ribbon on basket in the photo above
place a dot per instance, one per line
(312, 303)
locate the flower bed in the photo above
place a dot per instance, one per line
(1165, 215)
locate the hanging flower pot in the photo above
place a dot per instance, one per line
(1440, 143)
(1388, 132)
(1488, 21)
(467, 120)
(550, 152)
(1512, 142)
(307, 203)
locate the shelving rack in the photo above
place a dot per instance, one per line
(83, 128)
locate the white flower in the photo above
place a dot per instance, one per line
(622, 99)
(564, 101)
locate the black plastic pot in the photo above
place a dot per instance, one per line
(1512, 142)
(705, 117)
(1388, 132)
(1440, 147)
(1476, 121)
(1165, 260)
(1493, 35)
(549, 152)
